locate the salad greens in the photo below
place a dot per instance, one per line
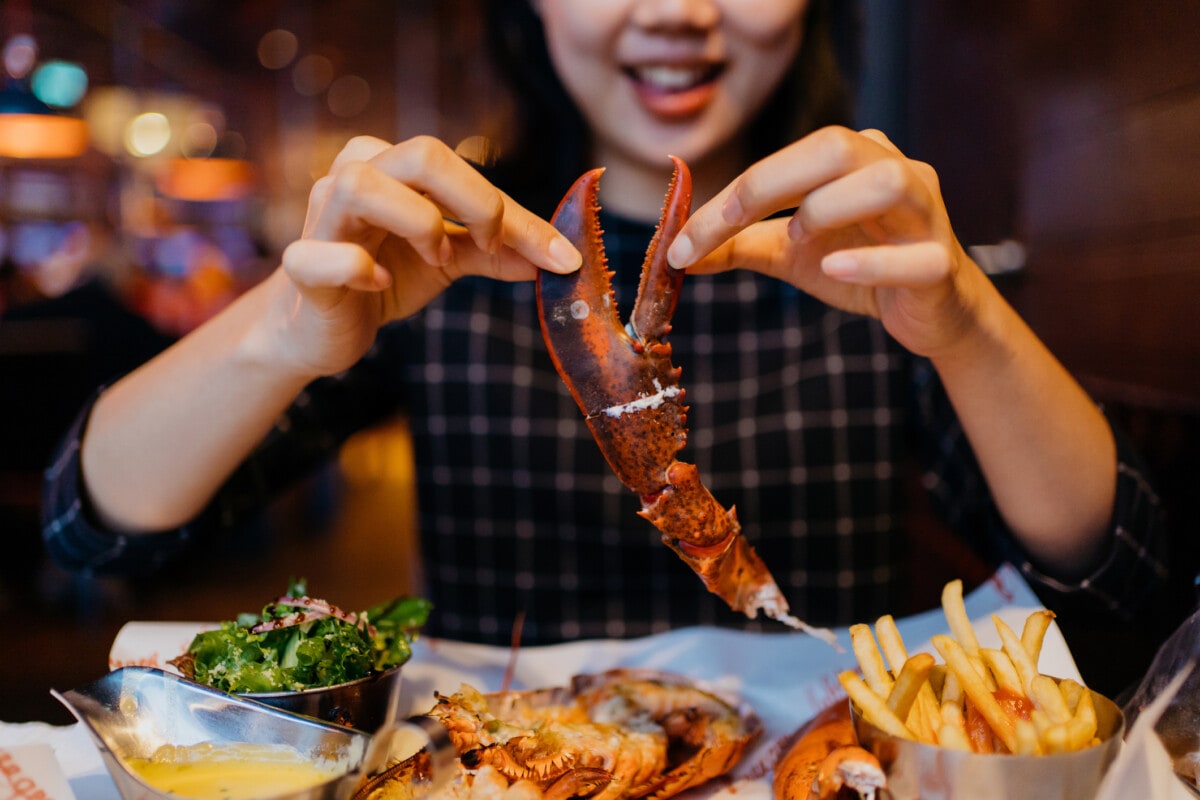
(298, 642)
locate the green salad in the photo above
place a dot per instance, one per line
(299, 642)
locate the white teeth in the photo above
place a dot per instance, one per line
(671, 78)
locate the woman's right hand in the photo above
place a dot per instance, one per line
(382, 239)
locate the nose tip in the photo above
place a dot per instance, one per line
(676, 13)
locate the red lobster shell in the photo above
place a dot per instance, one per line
(628, 390)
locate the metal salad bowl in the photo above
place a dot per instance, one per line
(360, 703)
(133, 711)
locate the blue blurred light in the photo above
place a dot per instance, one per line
(61, 84)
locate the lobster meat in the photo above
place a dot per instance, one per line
(623, 381)
(825, 762)
(616, 735)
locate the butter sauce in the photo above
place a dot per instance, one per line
(232, 772)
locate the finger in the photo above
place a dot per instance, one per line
(359, 148)
(778, 182)
(880, 138)
(907, 265)
(359, 196)
(430, 167)
(763, 247)
(537, 240)
(886, 194)
(324, 270)
(463, 194)
(506, 265)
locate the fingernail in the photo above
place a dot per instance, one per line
(563, 255)
(381, 277)
(732, 209)
(679, 254)
(445, 252)
(796, 230)
(839, 265)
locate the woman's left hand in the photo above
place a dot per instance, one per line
(870, 234)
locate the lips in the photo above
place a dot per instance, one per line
(674, 90)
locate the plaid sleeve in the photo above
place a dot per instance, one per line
(74, 539)
(1131, 576)
(307, 436)
(1134, 570)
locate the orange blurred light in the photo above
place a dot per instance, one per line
(206, 179)
(42, 136)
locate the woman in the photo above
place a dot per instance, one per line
(823, 352)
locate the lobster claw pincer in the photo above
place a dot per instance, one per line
(624, 382)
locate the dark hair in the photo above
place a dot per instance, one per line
(550, 147)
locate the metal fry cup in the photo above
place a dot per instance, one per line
(928, 772)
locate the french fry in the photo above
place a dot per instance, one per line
(891, 643)
(953, 716)
(1002, 670)
(1016, 652)
(973, 686)
(1041, 721)
(917, 697)
(956, 616)
(1078, 735)
(953, 738)
(1073, 692)
(912, 677)
(1047, 697)
(869, 660)
(982, 671)
(1055, 738)
(952, 692)
(937, 679)
(1027, 738)
(1034, 632)
(1083, 720)
(872, 706)
(926, 715)
(923, 716)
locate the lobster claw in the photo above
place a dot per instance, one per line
(623, 381)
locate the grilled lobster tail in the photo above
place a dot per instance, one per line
(628, 390)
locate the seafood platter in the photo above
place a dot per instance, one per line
(699, 712)
(971, 710)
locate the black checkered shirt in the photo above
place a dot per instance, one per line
(804, 417)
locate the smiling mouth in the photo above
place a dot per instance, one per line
(673, 78)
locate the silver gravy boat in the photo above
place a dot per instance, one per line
(132, 711)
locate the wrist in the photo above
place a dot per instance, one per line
(267, 342)
(980, 324)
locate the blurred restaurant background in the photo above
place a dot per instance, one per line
(156, 157)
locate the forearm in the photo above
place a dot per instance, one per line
(162, 440)
(1046, 450)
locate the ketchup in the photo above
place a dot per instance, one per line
(980, 733)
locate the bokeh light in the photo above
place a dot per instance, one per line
(20, 54)
(61, 84)
(312, 74)
(147, 134)
(202, 131)
(232, 145)
(348, 95)
(199, 139)
(277, 48)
